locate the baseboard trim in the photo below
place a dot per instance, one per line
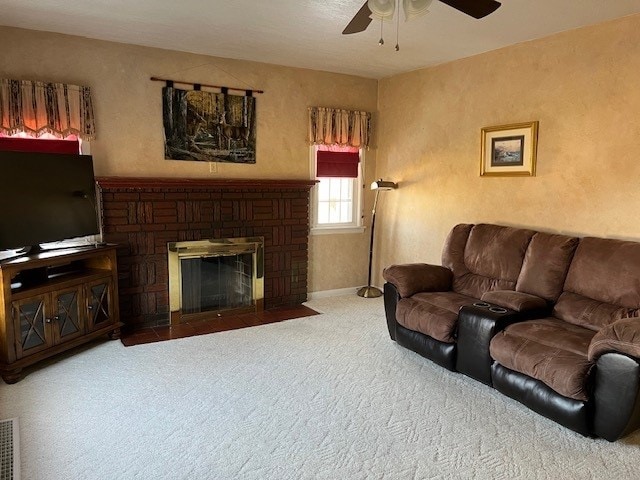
(333, 293)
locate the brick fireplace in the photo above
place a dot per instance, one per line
(142, 215)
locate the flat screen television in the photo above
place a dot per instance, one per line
(45, 197)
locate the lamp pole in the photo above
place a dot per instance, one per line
(370, 291)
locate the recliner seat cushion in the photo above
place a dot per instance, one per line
(434, 314)
(549, 350)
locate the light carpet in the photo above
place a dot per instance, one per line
(324, 397)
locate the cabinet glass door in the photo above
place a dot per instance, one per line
(99, 297)
(31, 326)
(68, 324)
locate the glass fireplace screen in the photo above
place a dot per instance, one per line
(215, 276)
(216, 283)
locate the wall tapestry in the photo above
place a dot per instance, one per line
(208, 127)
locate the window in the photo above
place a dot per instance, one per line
(337, 198)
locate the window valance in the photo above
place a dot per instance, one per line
(332, 126)
(38, 107)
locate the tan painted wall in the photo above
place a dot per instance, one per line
(583, 88)
(129, 118)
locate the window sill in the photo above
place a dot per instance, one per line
(336, 230)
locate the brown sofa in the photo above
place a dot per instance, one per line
(550, 320)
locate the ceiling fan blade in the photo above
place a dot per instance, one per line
(474, 8)
(359, 22)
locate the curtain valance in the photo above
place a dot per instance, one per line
(38, 107)
(332, 126)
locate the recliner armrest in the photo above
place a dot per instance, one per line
(518, 301)
(391, 298)
(621, 336)
(616, 396)
(477, 325)
(412, 278)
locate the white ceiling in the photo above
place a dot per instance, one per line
(307, 33)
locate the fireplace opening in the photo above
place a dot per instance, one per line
(212, 278)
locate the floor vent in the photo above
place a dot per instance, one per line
(9, 450)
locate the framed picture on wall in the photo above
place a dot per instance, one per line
(509, 150)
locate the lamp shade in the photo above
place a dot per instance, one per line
(415, 8)
(383, 185)
(382, 9)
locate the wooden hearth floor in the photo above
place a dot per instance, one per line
(189, 329)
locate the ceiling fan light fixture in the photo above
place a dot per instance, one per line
(382, 9)
(415, 8)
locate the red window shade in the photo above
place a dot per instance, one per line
(337, 164)
(19, 144)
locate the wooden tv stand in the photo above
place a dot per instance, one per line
(55, 300)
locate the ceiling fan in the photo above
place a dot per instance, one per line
(384, 10)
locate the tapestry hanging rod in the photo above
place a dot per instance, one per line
(198, 86)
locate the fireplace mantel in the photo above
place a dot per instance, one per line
(142, 215)
(153, 182)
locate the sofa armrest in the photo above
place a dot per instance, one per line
(412, 278)
(616, 396)
(391, 298)
(621, 336)
(477, 325)
(518, 301)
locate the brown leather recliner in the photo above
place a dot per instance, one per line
(579, 365)
(422, 301)
(570, 347)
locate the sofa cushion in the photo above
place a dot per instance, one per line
(490, 260)
(589, 313)
(453, 250)
(434, 314)
(606, 270)
(545, 265)
(549, 350)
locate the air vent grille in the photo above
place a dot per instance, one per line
(9, 450)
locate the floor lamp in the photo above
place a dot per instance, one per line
(378, 186)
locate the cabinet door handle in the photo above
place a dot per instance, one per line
(90, 307)
(47, 320)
